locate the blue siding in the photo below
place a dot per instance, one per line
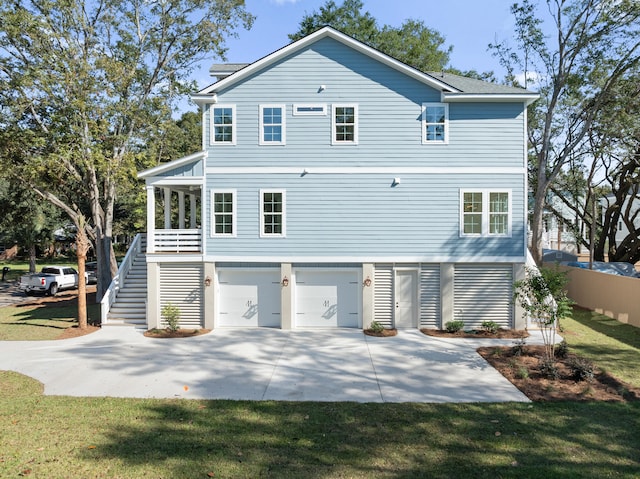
(361, 215)
(188, 170)
(390, 106)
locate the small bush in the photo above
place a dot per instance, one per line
(490, 326)
(581, 369)
(522, 373)
(548, 369)
(171, 315)
(562, 350)
(519, 348)
(376, 327)
(454, 326)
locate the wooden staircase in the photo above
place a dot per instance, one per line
(130, 305)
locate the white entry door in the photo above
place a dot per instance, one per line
(249, 298)
(326, 298)
(406, 299)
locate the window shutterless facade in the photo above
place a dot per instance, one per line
(272, 213)
(223, 124)
(435, 123)
(272, 125)
(485, 213)
(344, 125)
(223, 213)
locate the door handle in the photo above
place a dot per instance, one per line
(397, 305)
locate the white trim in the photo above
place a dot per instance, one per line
(185, 160)
(283, 125)
(234, 209)
(360, 259)
(357, 170)
(355, 124)
(485, 213)
(455, 97)
(424, 123)
(176, 258)
(234, 125)
(206, 94)
(175, 181)
(312, 112)
(283, 214)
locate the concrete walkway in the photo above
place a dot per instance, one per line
(265, 364)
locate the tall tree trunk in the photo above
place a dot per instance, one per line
(82, 247)
(32, 258)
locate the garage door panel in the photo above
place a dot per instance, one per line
(326, 299)
(249, 299)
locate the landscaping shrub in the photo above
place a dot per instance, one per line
(490, 326)
(548, 368)
(562, 350)
(171, 315)
(454, 326)
(376, 327)
(581, 369)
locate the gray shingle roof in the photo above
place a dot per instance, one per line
(472, 85)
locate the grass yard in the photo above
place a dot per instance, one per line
(40, 319)
(57, 437)
(612, 345)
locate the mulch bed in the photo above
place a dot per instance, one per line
(523, 372)
(500, 334)
(180, 333)
(385, 333)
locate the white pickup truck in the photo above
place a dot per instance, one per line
(50, 280)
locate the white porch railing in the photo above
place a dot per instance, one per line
(116, 283)
(175, 241)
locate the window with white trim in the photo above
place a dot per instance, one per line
(344, 125)
(435, 123)
(485, 212)
(223, 213)
(223, 127)
(272, 213)
(272, 124)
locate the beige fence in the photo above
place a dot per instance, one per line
(615, 296)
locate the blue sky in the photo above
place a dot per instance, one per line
(468, 25)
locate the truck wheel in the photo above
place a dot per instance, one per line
(53, 289)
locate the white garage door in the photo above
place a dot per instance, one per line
(249, 298)
(327, 299)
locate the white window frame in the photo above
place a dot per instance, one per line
(283, 214)
(234, 126)
(233, 214)
(283, 125)
(425, 123)
(486, 213)
(317, 109)
(334, 125)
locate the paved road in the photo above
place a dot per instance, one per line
(265, 364)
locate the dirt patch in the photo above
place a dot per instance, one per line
(75, 331)
(500, 334)
(180, 333)
(385, 333)
(523, 371)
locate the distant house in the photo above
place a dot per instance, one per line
(337, 186)
(630, 208)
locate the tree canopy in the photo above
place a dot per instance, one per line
(412, 43)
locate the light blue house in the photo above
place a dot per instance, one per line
(337, 186)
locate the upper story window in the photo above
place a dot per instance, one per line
(344, 125)
(223, 213)
(435, 123)
(273, 211)
(223, 127)
(272, 124)
(485, 213)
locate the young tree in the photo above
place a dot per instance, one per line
(592, 45)
(413, 43)
(93, 78)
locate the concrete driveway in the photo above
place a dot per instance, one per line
(265, 364)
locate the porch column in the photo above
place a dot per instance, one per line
(192, 215)
(151, 218)
(181, 210)
(167, 208)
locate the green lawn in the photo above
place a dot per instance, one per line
(130, 438)
(61, 437)
(613, 346)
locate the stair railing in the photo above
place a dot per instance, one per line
(118, 280)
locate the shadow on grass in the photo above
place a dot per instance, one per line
(319, 440)
(612, 328)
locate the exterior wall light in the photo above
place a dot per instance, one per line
(285, 281)
(367, 282)
(207, 281)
